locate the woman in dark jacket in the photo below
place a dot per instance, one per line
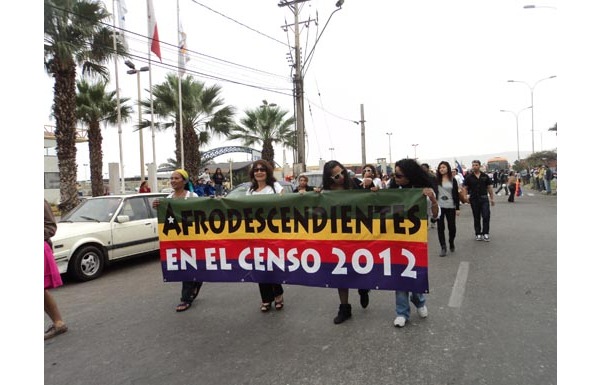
(449, 204)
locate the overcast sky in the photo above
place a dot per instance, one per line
(431, 73)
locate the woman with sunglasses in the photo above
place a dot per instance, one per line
(335, 177)
(263, 182)
(449, 205)
(370, 179)
(409, 174)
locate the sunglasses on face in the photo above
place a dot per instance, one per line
(259, 169)
(338, 175)
(368, 170)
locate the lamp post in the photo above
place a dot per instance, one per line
(531, 6)
(389, 134)
(415, 148)
(517, 121)
(531, 88)
(331, 149)
(134, 71)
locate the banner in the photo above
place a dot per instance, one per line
(348, 239)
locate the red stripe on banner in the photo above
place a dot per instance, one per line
(397, 252)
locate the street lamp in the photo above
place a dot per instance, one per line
(517, 121)
(134, 71)
(415, 148)
(530, 6)
(389, 134)
(531, 88)
(331, 149)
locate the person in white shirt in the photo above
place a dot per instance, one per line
(263, 182)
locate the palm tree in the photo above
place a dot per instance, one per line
(74, 34)
(266, 125)
(204, 115)
(95, 105)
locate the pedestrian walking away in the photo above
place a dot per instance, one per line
(481, 196)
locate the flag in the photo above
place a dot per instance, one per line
(184, 57)
(154, 43)
(459, 167)
(121, 11)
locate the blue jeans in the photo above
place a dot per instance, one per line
(548, 188)
(402, 304)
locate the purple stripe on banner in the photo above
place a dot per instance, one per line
(375, 279)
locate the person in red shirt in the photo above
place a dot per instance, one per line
(144, 188)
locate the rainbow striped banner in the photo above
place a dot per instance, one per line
(349, 239)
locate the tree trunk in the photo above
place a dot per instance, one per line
(268, 153)
(191, 145)
(95, 148)
(66, 151)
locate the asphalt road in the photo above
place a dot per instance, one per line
(492, 320)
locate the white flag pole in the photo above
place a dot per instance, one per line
(180, 103)
(154, 181)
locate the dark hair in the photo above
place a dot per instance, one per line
(426, 165)
(327, 175)
(437, 172)
(476, 161)
(373, 168)
(270, 178)
(218, 170)
(413, 172)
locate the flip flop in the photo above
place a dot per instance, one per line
(183, 307)
(53, 331)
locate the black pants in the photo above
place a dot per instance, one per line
(481, 213)
(512, 188)
(502, 186)
(189, 290)
(450, 215)
(268, 291)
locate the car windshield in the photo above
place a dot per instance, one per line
(93, 210)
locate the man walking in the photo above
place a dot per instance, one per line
(547, 179)
(481, 195)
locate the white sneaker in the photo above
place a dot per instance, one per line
(400, 321)
(486, 237)
(422, 311)
(478, 238)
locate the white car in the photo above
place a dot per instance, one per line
(103, 229)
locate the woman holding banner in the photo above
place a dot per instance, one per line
(183, 189)
(335, 177)
(263, 182)
(409, 174)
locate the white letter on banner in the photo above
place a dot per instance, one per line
(409, 272)
(294, 262)
(275, 259)
(356, 261)
(172, 260)
(259, 258)
(209, 255)
(187, 259)
(223, 258)
(242, 259)
(317, 263)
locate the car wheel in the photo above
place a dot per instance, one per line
(87, 263)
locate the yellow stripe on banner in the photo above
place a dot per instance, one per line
(299, 233)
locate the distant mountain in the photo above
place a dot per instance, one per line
(465, 160)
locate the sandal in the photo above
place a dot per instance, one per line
(265, 307)
(279, 304)
(53, 331)
(183, 306)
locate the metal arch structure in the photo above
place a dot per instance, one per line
(213, 153)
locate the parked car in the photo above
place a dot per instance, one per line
(104, 229)
(241, 188)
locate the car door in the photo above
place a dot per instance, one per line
(138, 235)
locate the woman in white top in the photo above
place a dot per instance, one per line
(183, 189)
(263, 182)
(449, 205)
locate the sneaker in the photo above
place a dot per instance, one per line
(486, 237)
(422, 311)
(478, 237)
(443, 252)
(400, 321)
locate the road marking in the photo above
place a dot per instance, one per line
(460, 283)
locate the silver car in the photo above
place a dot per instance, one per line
(104, 229)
